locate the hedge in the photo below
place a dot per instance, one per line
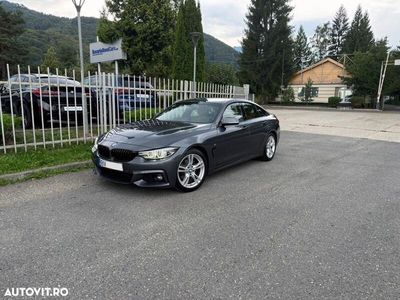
(334, 101)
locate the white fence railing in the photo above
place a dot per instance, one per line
(41, 109)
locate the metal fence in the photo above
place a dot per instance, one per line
(40, 109)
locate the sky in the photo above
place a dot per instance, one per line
(225, 19)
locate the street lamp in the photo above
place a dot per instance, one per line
(195, 40)
(78, 5)
(382, 80)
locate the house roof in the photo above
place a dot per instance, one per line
(321, 63)
(326, 71)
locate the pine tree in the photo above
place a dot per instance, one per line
(360, 37)
(321, 41)
(267, 58)
(146, 27)
(301, 50)
(340, 27)
(11, 51)
(50, 60)
(189, 20)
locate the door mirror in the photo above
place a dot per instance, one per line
(229, 121)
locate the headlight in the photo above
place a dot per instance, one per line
(158, 154)
(96, 142)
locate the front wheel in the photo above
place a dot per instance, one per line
(269, 148)
(191, 171)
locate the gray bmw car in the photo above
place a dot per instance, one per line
(188, 141)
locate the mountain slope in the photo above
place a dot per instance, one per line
(219, 52)
(45, 30)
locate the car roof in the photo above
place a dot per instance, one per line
(218, 100)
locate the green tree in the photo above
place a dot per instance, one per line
(11, 50)
(360, 37)
(340, 27)
(267, 59)
(221, 74)
(392, 85)
(50, 60)
(146, 27)
(288, 95)
(301, 51)
(189, 20)
(321, 41)
(308, 91)
(365, 70)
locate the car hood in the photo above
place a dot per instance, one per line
(152, 134)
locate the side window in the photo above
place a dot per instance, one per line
(235, 111)
(250, 112)
(261, 112)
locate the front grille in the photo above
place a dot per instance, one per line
(116, 175)
(104, 152)
(117, 155)
(122, 155)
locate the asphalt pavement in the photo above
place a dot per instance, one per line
(320, 221)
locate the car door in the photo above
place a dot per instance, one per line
(231, 141)
(257, 122)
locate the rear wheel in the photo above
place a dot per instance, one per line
(269, 148)
(27, 116)
(191, 171)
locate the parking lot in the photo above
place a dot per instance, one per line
(320, 221)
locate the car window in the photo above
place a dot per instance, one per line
(261, 112)
(192, 112)
(235, 111)
(252, 112)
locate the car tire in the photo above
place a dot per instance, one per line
(27, 116)
(269, 148)
(191, 171)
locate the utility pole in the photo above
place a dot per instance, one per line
(382, 81)
(78, 5)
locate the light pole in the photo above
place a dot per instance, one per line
(195, 40)
(382, 80)
(78, 5)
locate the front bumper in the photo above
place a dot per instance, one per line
(142, 173)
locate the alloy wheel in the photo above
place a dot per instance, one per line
(191, 171)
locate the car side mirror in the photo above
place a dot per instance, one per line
(229, 121)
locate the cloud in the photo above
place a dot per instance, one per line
(225, 19)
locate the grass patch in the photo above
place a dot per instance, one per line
(25, 161)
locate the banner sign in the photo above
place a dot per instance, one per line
(100, 52)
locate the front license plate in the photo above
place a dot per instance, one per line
(110, 165)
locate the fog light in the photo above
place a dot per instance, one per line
(159, 177)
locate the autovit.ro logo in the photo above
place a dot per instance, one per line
(36, 292)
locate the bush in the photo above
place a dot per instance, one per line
(288, 95)
(359, 102)
(141, 114)
(7, 123)
(334, 101)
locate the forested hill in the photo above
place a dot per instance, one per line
(43, 31)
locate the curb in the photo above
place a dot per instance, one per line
(316, 108)
(25, 174)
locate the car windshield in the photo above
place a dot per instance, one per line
(192, 112)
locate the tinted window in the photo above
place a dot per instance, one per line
(192, 112)
(261, 112)
(234, 111)
(252, 112)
